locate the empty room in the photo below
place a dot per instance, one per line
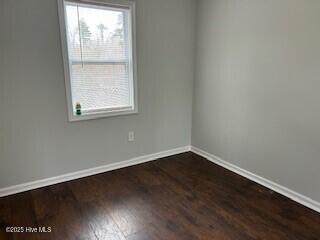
(159, 120)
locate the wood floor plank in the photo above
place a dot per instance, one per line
(178, 197)
(5, 218)
(89, 194)
(57, 208)
(23, 217)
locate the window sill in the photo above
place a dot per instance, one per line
(99, 115)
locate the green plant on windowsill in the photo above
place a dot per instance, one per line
(78, 109)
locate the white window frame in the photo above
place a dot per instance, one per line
(108, 112)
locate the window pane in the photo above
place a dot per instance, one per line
(100, 86)
(98, 54)
(102, 34)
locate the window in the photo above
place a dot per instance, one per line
(98, 42)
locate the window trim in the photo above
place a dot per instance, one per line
(110, 112)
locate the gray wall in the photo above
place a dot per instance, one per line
(256, 93)
(1, 82)
(38, 142)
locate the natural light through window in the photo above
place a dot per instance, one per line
(100, 68)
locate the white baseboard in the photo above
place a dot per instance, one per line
(297, 197)
(308, 202)
(89, 172)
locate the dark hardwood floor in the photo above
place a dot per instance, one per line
(179, 197)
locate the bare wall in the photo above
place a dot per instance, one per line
(256, 92)
(39, 142)
(1, 82)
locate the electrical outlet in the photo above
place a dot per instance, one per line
(130, 136)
